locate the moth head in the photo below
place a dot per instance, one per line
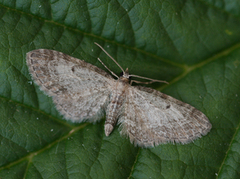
(124, 76)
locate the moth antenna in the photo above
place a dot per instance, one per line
(107, 68)
(110, 56)
(153, 80)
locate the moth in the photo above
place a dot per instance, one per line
(83, 92)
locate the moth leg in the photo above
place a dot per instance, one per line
(141, 82)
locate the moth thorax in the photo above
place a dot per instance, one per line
(124, 80)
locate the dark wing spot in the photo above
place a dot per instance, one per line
(168, 106)
(164, 96)
(73, 69)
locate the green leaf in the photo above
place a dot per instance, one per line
(192, 44)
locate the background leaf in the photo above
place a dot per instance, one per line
(190, 43)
